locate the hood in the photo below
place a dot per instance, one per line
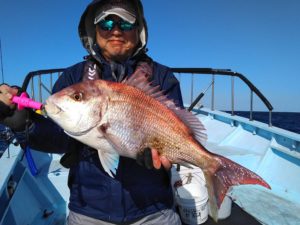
(87, 29)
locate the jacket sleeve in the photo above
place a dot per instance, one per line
(44, 135)
(165, 78)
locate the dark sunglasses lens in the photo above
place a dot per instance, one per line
(110, 24)
(124, 25)
(106, 24)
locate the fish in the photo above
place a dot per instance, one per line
(123, 118)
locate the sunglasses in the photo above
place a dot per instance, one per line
(109, 24)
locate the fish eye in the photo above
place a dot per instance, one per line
(77, 96)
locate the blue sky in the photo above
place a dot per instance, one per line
(258, 38)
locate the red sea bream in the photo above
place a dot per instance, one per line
(125, 118)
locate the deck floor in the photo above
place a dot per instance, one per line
(268, 206)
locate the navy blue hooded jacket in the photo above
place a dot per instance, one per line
(136, 191)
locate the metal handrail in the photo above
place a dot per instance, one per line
(32, 74)
(29, 79)
(228, 72)
(204, 71)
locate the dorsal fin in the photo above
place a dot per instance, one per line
(193, 123)
(139, 79)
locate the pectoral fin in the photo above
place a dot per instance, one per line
(109, 161)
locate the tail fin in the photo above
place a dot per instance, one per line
(226, 175)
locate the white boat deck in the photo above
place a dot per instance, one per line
(272, 153)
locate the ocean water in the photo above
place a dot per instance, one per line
(285, 120)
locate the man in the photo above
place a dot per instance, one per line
(114, 32)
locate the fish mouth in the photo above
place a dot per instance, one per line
(52, 109)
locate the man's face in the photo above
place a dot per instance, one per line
(115, 44)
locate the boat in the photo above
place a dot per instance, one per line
(34, 184)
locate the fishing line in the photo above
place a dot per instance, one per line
(2, 74)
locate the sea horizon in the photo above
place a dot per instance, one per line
(285, 120)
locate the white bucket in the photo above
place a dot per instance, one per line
(192, 203)
(191, 197)
(225, 208)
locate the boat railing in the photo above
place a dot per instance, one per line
(40, 83)
(222, 72)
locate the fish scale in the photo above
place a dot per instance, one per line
(150, 131)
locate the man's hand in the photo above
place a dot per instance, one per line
(151, 159)
(6, 105)
(159, 161)
(7, 93)
(9, 116)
